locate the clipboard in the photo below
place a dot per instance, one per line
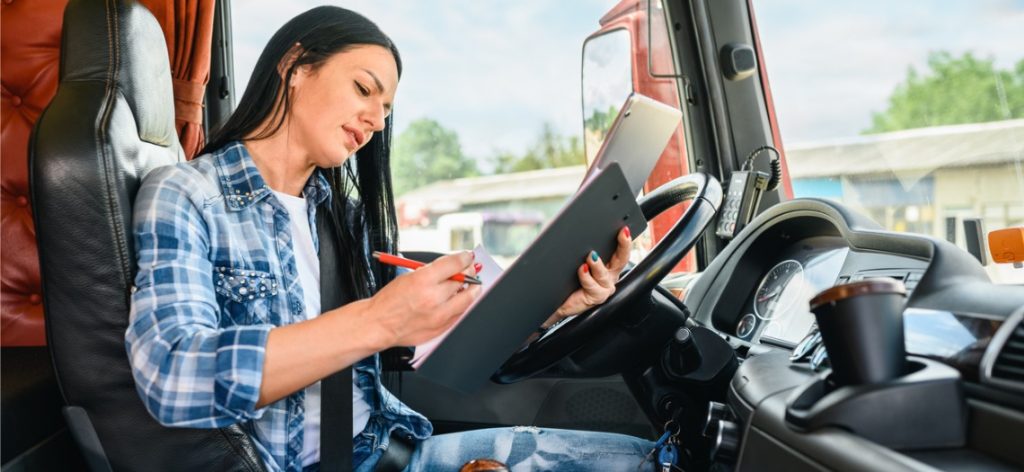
(536, 284)
(636, 139)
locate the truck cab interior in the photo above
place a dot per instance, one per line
(762, 330)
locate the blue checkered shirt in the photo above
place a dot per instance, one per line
(216, 273)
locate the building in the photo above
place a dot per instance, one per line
(924, 180)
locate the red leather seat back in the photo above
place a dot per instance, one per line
(31, 48)
(30, 42)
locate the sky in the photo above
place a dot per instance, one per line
(495, 71)
(853, 54)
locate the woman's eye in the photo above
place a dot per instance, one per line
(362, 90)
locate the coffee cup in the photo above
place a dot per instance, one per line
(861, 326)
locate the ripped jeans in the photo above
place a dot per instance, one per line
(528, 448)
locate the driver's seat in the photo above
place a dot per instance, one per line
(111, 121)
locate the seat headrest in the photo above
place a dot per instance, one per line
(125, 48)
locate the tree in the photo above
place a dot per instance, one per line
(427, 152)
(600, 122)
(551, 150)
(953, 91)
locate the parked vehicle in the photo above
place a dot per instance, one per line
(504, 234)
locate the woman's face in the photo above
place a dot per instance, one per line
(338, 106)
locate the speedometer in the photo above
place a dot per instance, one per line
(779, 290)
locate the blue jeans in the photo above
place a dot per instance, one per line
(528, 448)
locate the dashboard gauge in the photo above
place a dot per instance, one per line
(780, 288)
(746, 325)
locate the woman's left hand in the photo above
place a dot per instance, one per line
(597, 281)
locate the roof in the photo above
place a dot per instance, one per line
(922, 149)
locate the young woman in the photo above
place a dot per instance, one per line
(226, 325)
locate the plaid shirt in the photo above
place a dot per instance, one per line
(216, 273)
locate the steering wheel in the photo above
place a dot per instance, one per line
(570, 334)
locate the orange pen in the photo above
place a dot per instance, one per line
(390, 259)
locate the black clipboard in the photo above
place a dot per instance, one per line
(536, 284)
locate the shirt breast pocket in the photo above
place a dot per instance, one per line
(245, 296)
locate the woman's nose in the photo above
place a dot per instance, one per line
(375, 116)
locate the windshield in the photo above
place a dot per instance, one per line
(910, 112)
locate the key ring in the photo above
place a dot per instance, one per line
(673, 423)
(667, 436)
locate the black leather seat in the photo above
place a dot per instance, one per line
(111, 121)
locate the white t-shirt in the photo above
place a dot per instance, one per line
(307, 264)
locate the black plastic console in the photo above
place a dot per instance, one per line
(923, 409)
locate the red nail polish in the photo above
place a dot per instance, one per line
(586, 268)
(626, 230)
(478, 266)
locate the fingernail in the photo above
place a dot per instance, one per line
(586, 268)
(626, 231)
(478, 266)
(593, 256)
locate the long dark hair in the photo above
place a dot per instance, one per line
(362, 197)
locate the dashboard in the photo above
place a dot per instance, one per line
(778, 310)
(811, 245)
(755, 295)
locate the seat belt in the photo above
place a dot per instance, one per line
(335, 389)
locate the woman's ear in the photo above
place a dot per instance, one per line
(285, 66)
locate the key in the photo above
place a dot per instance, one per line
(662, 440)
(667, 457)
(657, 444)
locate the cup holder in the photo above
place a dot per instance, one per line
(922, 409)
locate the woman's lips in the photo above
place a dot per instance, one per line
(350, 140)
(355, 137)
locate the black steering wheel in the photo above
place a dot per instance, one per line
(569, 335)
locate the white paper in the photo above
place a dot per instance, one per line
(489, 273)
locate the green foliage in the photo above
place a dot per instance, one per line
(600, 122)
(953, 91)
(551, 150)
(427, 152)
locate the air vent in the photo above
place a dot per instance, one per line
(1003, 364)
(1009, 363)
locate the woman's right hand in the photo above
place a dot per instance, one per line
(422, 304)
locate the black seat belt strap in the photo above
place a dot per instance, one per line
(336, 389)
